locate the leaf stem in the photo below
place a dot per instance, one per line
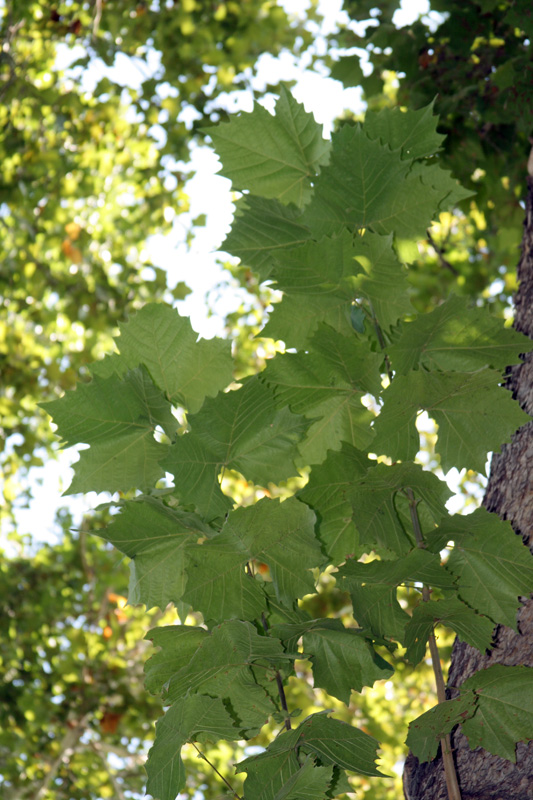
(450, 773)
(222, 778)
(279, 684)
(382, 343)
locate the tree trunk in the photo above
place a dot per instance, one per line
(509, 493)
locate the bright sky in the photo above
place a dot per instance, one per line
(199, 265)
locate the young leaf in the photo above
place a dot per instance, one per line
(185, 369)
(117, 417)
(280, 535)
(456, 337)
(470, 627)
(154, 536)
(492, 565)
(272, 156)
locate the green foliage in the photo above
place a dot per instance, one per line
(254, 572)
(91, 169)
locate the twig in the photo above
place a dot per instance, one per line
(97, 17)
(279, 684)
(450, 773)
(116, 785)
(66, 749)
(440, 255)
(222, 778)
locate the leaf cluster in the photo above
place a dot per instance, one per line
(329, 224)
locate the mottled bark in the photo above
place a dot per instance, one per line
(509, 493)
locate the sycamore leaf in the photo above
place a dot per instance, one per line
(261, 230)
(426, 731)
(412, 132)
(177, 644)
(315, 279)
(195, 718)
(318, 386)
(221, 667)
(368, 185)
(272, 156)
(242, 430)
(456, 337)
(268, 776)
(492, 565)
(185, 369)
(280, 535)
(373, 498)
(117, 417)
(470, 627)
(325, 493)
(504, 709)
(382, 280)
(372, 587)
(309, 781)
(473, 413)
(342, 659)
(154, 536)
(495, 710)
(334, 742)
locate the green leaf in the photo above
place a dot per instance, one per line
(196, 718)
(470, 627)
(473, 413)
(326, 494)
(315, 279)
(505, 709)
(309, 781)
(278, 534)
(242, 430)
(412, 132)
(492, 565)
(154, 536)
(266, 776)
(318, 386)
(368, 185)
(382, 280)
(117, 417)
(374, 502)
(342, 659)
(426, 731)
(221, 667)
(334, 742)
(272, 156)
(185, 369)
(177, 644)
(261, 230)
(372, 587)
(457, 337)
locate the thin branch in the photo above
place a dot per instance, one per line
(97, 17)
(222, 778)
(66, 749)
(450, 773)
(440, 255)
(279, 684)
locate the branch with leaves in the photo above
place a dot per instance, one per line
(326, 222)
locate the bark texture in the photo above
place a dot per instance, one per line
(509, 493)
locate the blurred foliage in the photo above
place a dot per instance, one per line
(92, 165)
